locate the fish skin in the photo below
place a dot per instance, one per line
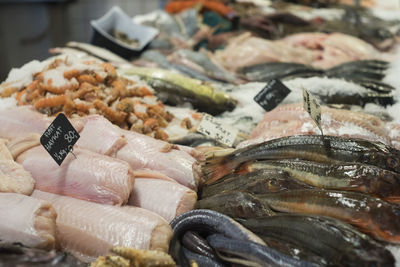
(29, 221)
(88, 230)
(89, 176)
(340, 176)
(179, 89)
(259, 181)
(236, 204)
(324, 149)
(370, 215)
(250, 252)
(337, 243)
(167, 199)
(207, 221)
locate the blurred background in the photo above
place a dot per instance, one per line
(28, 28)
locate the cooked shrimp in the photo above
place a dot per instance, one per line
(51, 102)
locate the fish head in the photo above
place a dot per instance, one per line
(393, 163)
(381, 38)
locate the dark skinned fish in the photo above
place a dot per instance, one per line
(367, 73)
(324, 149)
(197, 244)
(236, 204)
(12, 255)
(249, 253)
(257, 182)
(207, 222)
(335, 243)
(370, 215)
(340, 176)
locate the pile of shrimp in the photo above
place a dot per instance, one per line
(91, 87)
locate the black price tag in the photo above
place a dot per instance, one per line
(59, 138)
(271, 95)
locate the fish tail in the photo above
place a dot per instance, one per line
(217, 168)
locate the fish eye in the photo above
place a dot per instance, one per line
(272, 182)
(392, 162)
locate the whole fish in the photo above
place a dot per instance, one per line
(335, 242)
(324, 149)
(252, 254)
(207, 222)
(367, 73)
(359, 177)
(177, 89)
(370, 215)
(264, 180)
(236, 204)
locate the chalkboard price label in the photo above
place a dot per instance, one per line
(59, 138)
(271, 95)
(215, 129)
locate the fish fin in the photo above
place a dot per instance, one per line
(217, 168)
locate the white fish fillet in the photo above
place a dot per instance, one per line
(4, 152)
(14, 178)
(27, 220)
(167, 199)
(89, 230)
(97, 128)
(90, 176)
(21, 144)
(20, 121)
(141, 152)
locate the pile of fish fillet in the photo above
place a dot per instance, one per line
(121, 189)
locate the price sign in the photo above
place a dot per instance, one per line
(271, 95)
(313, 108)
(59, 138)
(214, 129)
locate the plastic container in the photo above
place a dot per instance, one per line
(116, 19)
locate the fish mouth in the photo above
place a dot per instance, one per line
(393, 199)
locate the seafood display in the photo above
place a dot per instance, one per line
(193, 153)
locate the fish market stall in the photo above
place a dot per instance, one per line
(208, 133)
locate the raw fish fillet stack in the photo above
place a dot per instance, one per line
(166, 198)
(88, 229)
(89, 176)
(107, 159)
(27, 220)
(13, 177)
(153, 158)
(292, 119)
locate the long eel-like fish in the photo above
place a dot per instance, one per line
(370, 215)
(335, 242)
(208, 222)
(339, 176)
(318, 148)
